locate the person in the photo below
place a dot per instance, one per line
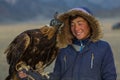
(88, 57)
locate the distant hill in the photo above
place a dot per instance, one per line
(21, 10)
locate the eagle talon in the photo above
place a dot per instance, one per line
(45, 74)
(22, 66)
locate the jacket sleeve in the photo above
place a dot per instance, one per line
(53, 76)
(108, 69)
(32, 75)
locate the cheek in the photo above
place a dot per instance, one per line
(87, 31)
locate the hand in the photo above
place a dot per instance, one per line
(22, 74)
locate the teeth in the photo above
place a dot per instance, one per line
(78, 33)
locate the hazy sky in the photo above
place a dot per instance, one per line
(106, 3)
(11, 1)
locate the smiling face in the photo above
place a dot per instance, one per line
(80, 28)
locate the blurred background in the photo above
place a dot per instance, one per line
(25, 10)
(17, 16)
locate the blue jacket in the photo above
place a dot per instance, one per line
(94, 62)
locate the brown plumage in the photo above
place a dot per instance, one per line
(35, 49)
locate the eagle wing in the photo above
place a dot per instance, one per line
(31, 47)
(17, 47)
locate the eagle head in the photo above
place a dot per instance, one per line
(55, 22)
(64, 35)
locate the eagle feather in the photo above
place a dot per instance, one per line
(36, 48)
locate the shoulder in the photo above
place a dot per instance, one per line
(102, 49)
(102, 44)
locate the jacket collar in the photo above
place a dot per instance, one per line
(79, 42)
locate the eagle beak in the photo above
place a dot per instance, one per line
(55, 22)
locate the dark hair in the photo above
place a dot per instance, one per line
(72, 17)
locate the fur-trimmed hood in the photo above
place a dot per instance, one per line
(96, 32)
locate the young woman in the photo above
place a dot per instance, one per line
(88, 58)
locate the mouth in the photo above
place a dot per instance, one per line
(78, 33)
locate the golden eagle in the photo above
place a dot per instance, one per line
(37, 48)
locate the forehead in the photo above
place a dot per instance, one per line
(78, 19)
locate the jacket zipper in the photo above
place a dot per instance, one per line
(65, 59)
(92, 60)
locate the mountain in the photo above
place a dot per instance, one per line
(22, 10)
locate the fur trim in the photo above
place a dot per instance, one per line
(64, 36)
(96, 33)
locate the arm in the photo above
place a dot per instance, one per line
(32, 74)
(108, 66)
